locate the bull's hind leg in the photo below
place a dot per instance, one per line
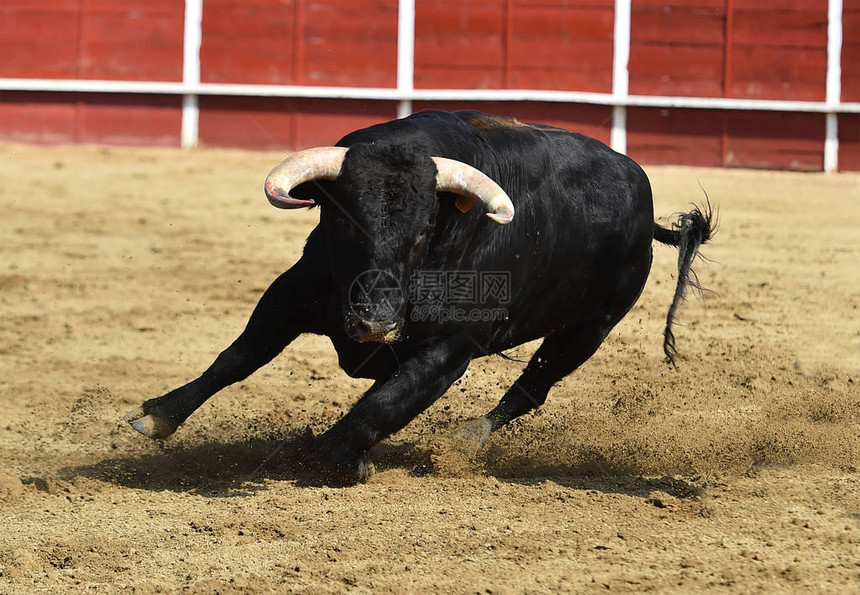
(288, 308)
(559, 355)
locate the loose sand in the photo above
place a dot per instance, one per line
(124, 272)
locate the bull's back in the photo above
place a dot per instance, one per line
(580, 244)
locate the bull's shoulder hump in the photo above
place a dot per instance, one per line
(483, 121)
(491, 123)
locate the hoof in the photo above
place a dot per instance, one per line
(335, 465)
(150, 425)
(474, 434)
(362, 471)
(345, 468)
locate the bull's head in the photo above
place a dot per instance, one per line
(378, 218)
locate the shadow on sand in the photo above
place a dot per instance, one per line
(218, 469)
(241, 468)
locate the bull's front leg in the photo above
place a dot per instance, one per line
(389, 405)
(290, 306)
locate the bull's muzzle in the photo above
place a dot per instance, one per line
(373, 331)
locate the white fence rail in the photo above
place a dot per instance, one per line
(191, 87)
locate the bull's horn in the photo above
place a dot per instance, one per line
(474, 185)
(320, 163)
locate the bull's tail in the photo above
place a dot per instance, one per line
(688, 232)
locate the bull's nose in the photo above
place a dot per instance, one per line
(382, 331)
(371, 327)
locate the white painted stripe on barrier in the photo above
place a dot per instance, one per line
(405, 55)
(92, 86)
(834, 84)
(618, 132)
(189, 130)
(834, 52)
(831, 142)
(620, 75)
(192, 39)
(389, 94)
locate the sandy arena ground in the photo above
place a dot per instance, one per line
(124, 272)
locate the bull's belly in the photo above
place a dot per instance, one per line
(592, 303)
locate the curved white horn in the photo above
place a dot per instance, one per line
(463, 179)
(320, 163)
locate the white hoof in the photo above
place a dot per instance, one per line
(150, 425)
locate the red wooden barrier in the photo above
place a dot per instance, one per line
(514, 45)
(285, 123)
(722, 138)
(295, 42)
(134, 40)
(851, 50)
(759, 49)
(104, 118)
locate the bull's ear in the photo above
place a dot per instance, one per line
(474, 186)
(320, 163)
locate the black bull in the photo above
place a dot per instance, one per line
(410, 284)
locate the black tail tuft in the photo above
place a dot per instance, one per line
(688, 233)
